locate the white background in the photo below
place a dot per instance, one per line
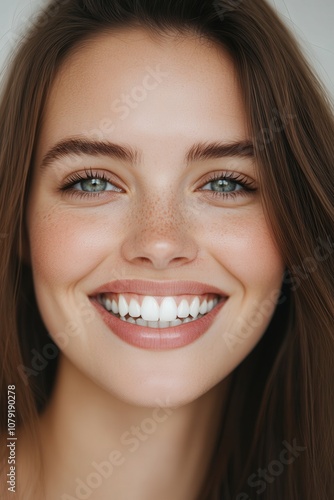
(310, 20)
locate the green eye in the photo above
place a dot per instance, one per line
(95, 185)
(229, 185)
(89, 183)
(225, 185)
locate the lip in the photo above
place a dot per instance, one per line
(156, 338)
(166, 288)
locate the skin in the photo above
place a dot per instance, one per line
(162, 226)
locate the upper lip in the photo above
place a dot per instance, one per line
(164, 288)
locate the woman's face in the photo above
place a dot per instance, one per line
(164, 214)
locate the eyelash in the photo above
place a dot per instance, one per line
(246, 184)
(76, 178)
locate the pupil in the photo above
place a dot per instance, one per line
(93, 185)
(225, 185)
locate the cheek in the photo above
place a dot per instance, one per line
(245, 246)
(66, 245)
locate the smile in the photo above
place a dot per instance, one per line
(158, 315)
(158, 311)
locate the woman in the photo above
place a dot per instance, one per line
(167, 257)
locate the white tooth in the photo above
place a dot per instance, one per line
(107, 304)
(187, 320)
(131, 320)
(141, 322)
(194, 307)
(150, 309)
(122, 318)
(210, 305)
(177, 322)
(168, 309)
(114, 307)
(203, 307)
(163, 324)
(134, 308)
(153, 324)
(183, 309)
(215, 302)
(123, 306)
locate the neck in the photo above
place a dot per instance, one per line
(98, 446)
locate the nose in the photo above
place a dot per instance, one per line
(159, 236)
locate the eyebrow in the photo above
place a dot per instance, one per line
(199, 151)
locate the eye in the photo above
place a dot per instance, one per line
(88, 184)
(229, 184)
(93, 185)
(225, 185)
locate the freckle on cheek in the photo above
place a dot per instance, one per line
(51, 252)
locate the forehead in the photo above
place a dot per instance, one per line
(130, 81)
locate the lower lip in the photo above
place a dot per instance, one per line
(158, 338)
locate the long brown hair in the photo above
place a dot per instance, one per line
(277, 434)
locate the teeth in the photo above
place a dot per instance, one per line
(163, 324)
(114, 307)
(194, 308)
(141, 322)
(123, 306)
(134, 309)
(183, 309)
(176, 322)
(151, 311)
(210, 305)
(158, 324)
(108, 304)
(203, 307)
(168, 309)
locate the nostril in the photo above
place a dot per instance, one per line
(158, 249)
(161, 262)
